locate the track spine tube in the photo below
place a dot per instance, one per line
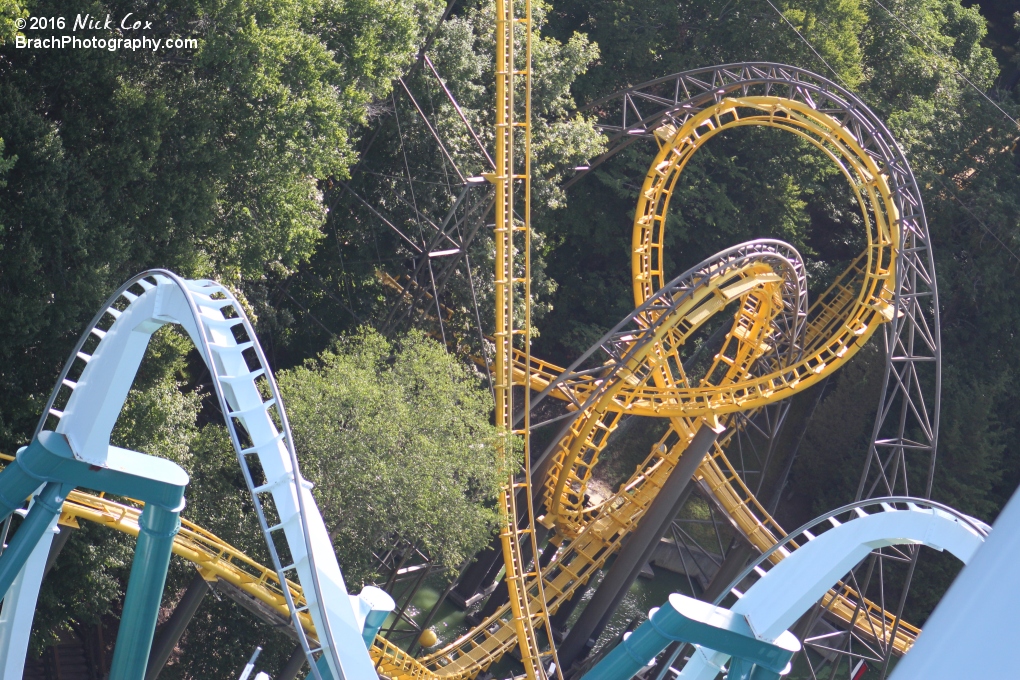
(46, 506)
(158, 526)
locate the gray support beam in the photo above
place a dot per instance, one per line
(170, 632)
(636, 551)
(736, 559)
(476, 577)
(293, 666)
(558, 622)
(501, 595)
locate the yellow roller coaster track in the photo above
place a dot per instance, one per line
(512, 176)
(655, 384)
(495, 637)
(837, 326)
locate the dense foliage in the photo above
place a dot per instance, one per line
(282, 154)
(204, 161)
(399, 442)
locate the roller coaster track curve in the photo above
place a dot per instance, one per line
(91, 391)
(892, 284)
(898, 256)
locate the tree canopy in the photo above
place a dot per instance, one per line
(397, 438)
(283, 154)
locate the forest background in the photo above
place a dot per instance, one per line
(268, 156)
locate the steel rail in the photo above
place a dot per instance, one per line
(205, 317)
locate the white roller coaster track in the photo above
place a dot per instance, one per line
(295, 533)
(774, 594)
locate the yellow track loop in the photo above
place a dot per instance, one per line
(837, 326)
(839, 323)
(758, 289)
(872, 304)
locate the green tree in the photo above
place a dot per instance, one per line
(396, 437)
(202, 160)
(10, 11)
(341, 290)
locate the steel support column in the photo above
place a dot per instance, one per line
(562, 615)
(170, 633)
(19, 609)
(734, 563)
(475, 579)
(157, 528)
(293, 666)
(636, 551)
(40, 517)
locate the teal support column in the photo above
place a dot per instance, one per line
(145, 590)
(371, 607)
(373, 622)
(46, 506)
(689, 620)
(323, 669)
(16, 484)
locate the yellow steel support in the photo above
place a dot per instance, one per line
(653, 384)
(512, 290)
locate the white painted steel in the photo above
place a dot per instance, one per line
(210, 314)
(19, 608)
(790, 588)
(973, 631)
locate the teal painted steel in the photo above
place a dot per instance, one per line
(48, 462)
(373, 622)
(689, 620)
(77, 452)
(145, 590)
(323, 669)
(159, 483)
(371, 607)
(46, 506)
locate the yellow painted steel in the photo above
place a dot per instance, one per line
(215, 558)
(512, 289)
(824, 352)
(837, 325)
(757, 285)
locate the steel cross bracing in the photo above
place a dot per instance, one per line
(906, 425)
(887, 219)
(295, 535)
(446, 248)
(607, 525)
(715, 472)
(863, 298)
